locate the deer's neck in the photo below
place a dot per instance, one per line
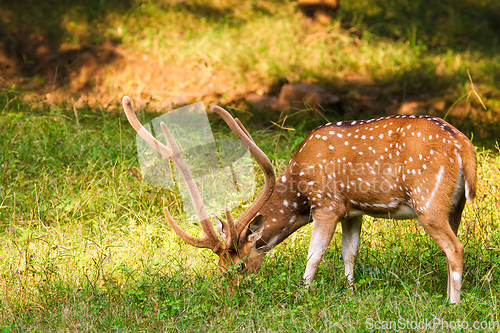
(286, 211)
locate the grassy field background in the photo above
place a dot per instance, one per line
(84, 246)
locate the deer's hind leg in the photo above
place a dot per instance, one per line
(439, 227)
(455, 217)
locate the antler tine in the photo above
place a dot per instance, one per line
(181, 233)
(233, 236)
(210, 239)
(240, 124)
(265, 164)
(136, 124)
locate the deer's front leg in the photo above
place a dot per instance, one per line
(324, 223)
(351, 230)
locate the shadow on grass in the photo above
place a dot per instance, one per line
(416, 90)
(460, 25)
(32, 34)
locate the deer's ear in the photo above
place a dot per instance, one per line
(255, 229)
(220, 227)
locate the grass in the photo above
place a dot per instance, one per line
(84, 247)
(232, 38)
(376, 55)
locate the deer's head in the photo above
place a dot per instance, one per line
(235, 242)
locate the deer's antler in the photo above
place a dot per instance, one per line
(210, 239)
(265, 164)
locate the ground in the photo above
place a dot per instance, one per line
(166, 53)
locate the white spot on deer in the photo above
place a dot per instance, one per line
(331, 132)
(318, 136)
(419, 134)
(408, 127)
(439, 177)
(390, 132)
(363, 137)
(410, 158)
(274, 220)
(420, 156)
(353, 147)
(354, 122)
(346, 143)
(293, 219)
(339, 135)
(331, 147)
(381, 136)
(424, 166)
(310, 183)
(371, 137)
(301, 174)
(285, 202)
(283, 179)
(339, 123)
(324, 137)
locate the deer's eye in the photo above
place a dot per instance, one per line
(241, 266)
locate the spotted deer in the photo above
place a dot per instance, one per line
(399, 167)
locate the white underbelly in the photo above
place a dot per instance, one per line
(403, 212)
